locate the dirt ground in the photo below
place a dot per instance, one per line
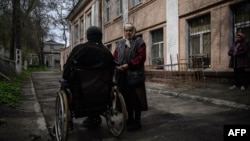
(24, 123)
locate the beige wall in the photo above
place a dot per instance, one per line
(220, 41)
(150, 15)
(189, 6)
(221, 28)
(64, 56)
(113, 31)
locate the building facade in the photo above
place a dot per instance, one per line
(173, 30)
(86, 13)
(209, 27)
(52, 54)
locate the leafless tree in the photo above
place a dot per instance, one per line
(31, 22)
(60, 9)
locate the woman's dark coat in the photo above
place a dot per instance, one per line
(240, 60)
(134, 56)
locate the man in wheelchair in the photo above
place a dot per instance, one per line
(89, 56)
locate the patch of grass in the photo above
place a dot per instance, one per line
(2, 120)
(11, 91)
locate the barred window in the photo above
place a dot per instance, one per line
(241, 19)
(157, 47)
(200, 38)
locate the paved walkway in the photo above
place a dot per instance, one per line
(215, 93)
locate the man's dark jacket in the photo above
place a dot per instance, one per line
(90, 56)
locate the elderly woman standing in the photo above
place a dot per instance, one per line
(239, 61)
(130, 54)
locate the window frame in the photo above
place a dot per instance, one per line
(158, 58)
(88, 20)
(244, 24)
(199, 31)
(82, 31)
(134, 3)
(76, 32)
(118, 7)
(108, 11)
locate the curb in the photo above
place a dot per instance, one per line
(41, 120)
(199, 98)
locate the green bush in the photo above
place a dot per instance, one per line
(11, 91)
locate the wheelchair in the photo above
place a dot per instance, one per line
(93, 93)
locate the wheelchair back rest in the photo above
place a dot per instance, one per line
(93, 87)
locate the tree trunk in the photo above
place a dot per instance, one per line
(15, 41)
(13, 31)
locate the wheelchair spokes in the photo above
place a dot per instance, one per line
(62, 117)
(116, 115)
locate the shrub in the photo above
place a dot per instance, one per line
(11, 91)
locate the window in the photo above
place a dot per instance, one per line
(135, 2)
(108, 10)
(88, 20)
(157, 47)
(139, 35)
(241, 21)
(81, 27)
(51, 47)
(118, 7)
(200, 38)
(76, 32)
(109, 47)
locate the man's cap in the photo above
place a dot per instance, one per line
(94, 33)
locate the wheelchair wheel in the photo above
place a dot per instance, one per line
(62, 117)
(117, 114)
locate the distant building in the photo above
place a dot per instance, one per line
(52, 54)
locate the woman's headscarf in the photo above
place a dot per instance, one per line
(129, 26)
(241, 35)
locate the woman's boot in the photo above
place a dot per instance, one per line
(137, 122)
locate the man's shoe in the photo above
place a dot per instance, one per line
(129, 122)
(92, 122)
(134, 127)
(87, 122)
(232, 87)
(242, 88)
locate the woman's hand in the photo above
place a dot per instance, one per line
(123, 67)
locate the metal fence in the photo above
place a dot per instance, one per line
(185, 73)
